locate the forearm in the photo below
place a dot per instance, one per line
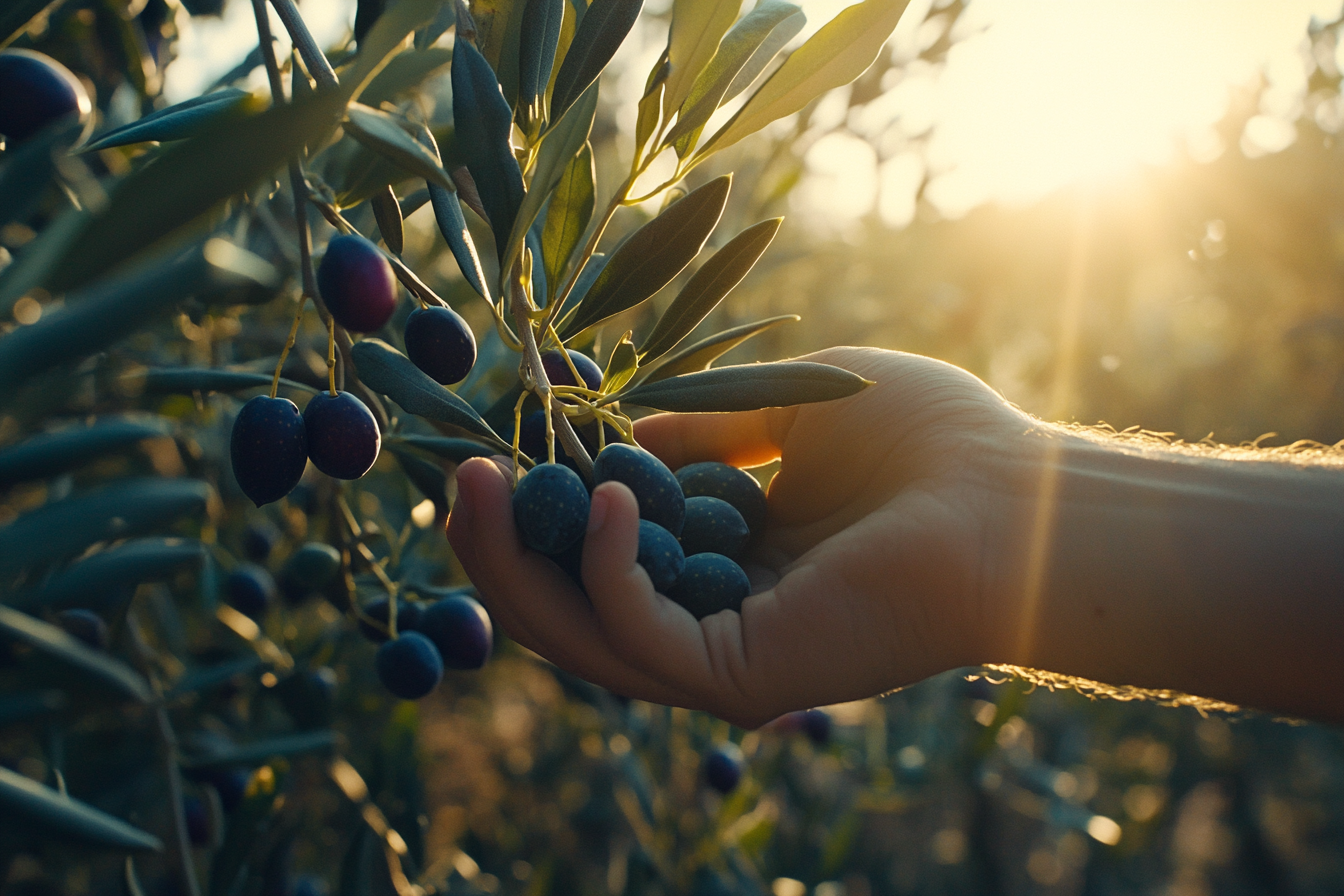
(1221, 578)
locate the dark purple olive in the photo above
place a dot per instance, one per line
(250, 589)
(459, 626)
(343, 436)
(440, 343)
(269, 448)
(357, 284)
(410, 666)
(85, 625)
(36, 90)
(559, 374)
(723, 767)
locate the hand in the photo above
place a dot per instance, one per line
(870, 574)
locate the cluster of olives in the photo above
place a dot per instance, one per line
(693, 525)
(453, 632)
(272, 442)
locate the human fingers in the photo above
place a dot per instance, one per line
(743, 439)
(530, 597)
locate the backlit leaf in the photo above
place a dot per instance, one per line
(380, 132)
(559, 147)
(707, 287)
(100, 579)
(483, 123)
(69, 651)
(567, 217)
(621, 366)
(834, 56)
(742, 55)
(453, 225)
(697, 27)
(651, 256)
(176, 122)
(596, 39)
(47, 454)
(747, 387)
(699, 355)
(383, 40)
(536, 52)
(386, 370)
(387, 212)
(30, 803)
(405, 72)
(124, 509)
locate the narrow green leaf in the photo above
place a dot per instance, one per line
(366, 13)
(559, 147)
(186, 380)
(405, 72)
(699, 355)
(484, 122)
(621, 366)
(651, 105)
(707, 287)
(697, 28)
(176, 122)
(568, 215)
(186, 181)
(426, 37)
(29, 802)
(386, 370)
(387, 212)
(599, 35)
(16, 14)
(99, 579)
(498, 34)
(258, 752)
(111, 309)
(742, 55)
(834, 56)
(380, 133)
(69, 651)
(124, 509)
(453, 225)
(651, 256)
(747, 387)
(383, 40)
(455, 450)
(47, 454)
(536, 53)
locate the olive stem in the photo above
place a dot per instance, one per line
(542, 386)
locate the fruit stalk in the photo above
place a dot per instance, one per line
(542, 385)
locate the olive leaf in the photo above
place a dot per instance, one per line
(258, 752)
(176, 122)
(743, 54)
(699, 355)
(453, 225)
(383, 40)
(387, 213)
(29, 169)
(123, 509)
(747, 387)
(386, 370)
(111, 309)
(426, 476)
(186, 380)
(697, 27)
(536, 54)
(707, 287)
(650, 111)
(650, 257)
(834, 56)
(381, 133)
(36, 804)
(483, 123)
(47, 454)
(621, 366)
(596, 39)
(498, 35)
(100, 579)
(568, 215)
(69, 651)
(558, 149)
(455, 450)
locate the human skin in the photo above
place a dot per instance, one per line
(925, 524)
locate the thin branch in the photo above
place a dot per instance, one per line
(312, 54)
(542, 386)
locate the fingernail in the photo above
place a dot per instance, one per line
(597, 512)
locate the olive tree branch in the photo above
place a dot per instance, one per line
(312, 54)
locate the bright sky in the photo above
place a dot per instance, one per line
(1037, 94)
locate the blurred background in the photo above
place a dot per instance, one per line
(1120, 213)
